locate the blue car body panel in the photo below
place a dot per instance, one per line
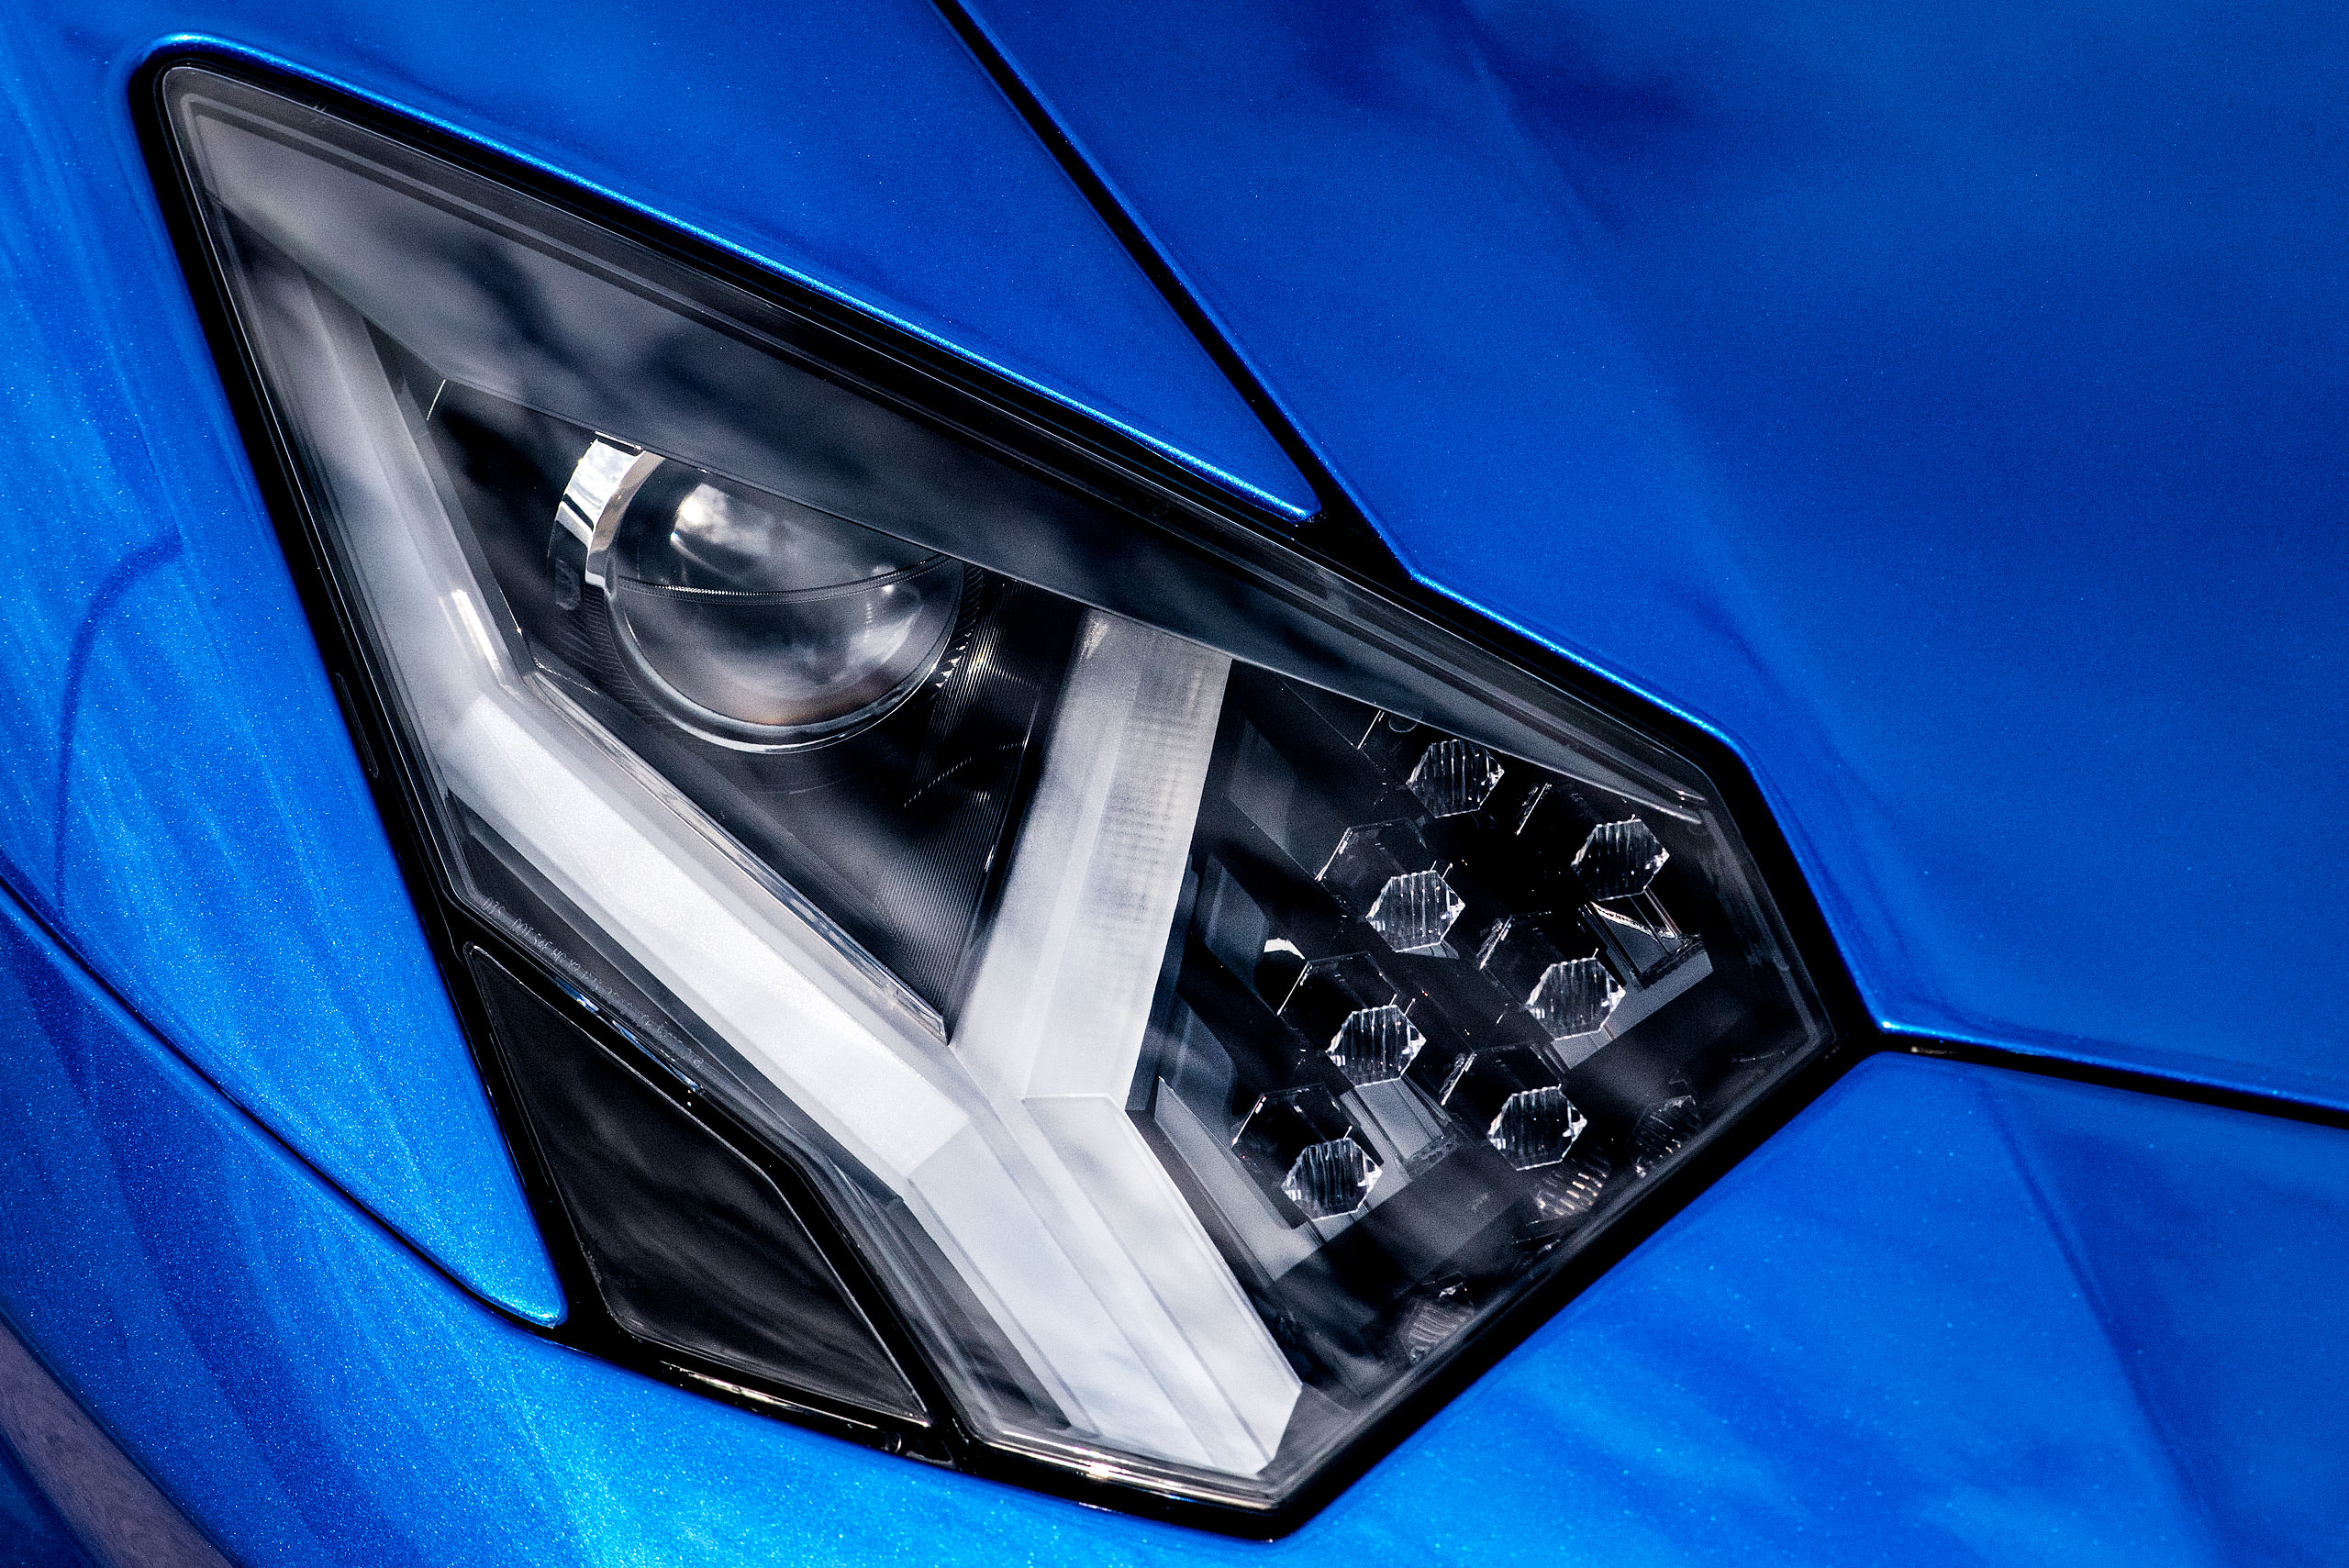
(1943, 407)
(1942, 403)
(180, 799)
(1950, 1315)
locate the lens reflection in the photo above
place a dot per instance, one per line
(762, 623)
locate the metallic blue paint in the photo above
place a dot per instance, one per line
(1951, 1314)
(1888, 362)
(180, 801)
(177, 798)
(1944, 403)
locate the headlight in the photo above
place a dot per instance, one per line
(747, 620)
(1197, 992)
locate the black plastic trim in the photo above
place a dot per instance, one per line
(1158, 491)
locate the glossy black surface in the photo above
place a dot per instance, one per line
(692, 1247)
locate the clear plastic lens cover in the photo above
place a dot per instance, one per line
(1202, 993)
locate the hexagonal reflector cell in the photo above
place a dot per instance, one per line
(1370, 856)
(1619, 859)
(1513, 953)
(1573, 1188)
(1375, 1045)
(1517, 1098)
(1428, 1322)
(1329, 991)
(1573, 997)
(1661, 1130)
(1414, 912)
(1536, 1127)
(1455, 778)
(1330, 1180)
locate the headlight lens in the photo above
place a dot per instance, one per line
(752, 621)
(1201, 992)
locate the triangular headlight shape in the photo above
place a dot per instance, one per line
(1193, 996)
